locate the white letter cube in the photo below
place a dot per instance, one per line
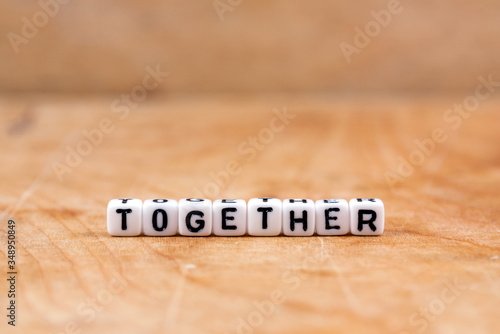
(332, 217)
(367, 216)
(229, 217)
(160, 217)
(195, 217)
(264, 216)
(299, 216)
(124, 217)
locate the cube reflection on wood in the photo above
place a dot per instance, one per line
(234, 217)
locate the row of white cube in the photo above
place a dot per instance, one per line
(234, 217)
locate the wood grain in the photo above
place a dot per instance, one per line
(436, 269)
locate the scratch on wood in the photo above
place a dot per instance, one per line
(350, 296)
(173, 307)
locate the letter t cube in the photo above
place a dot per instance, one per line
(367, 216)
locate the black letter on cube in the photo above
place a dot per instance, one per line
(164, 219)
(370, 221)
(328, 218)
(124, 216)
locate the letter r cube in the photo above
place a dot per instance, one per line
(367, 216)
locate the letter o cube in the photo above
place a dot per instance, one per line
(160, 217)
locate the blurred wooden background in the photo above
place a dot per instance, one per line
(260, 46)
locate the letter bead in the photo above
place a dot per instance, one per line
(298, 217)
(332, 217)
(160, 217)
(229, 217)
(367, 216)
(124, 217)
(264, 216)
(195, 217)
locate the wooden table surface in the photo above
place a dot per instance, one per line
(436, 268)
